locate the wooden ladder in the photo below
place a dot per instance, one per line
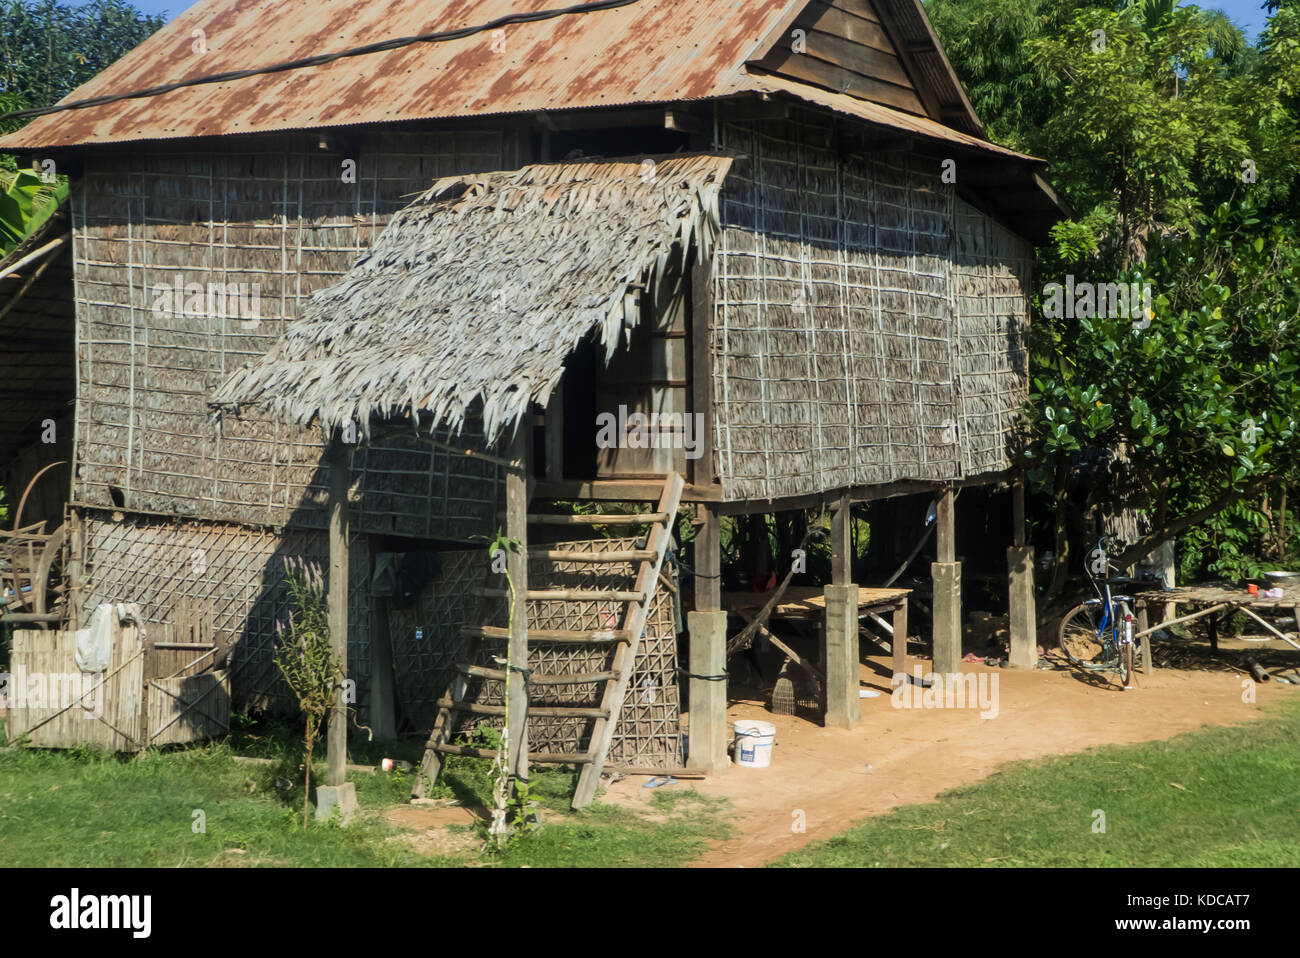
(626, 641)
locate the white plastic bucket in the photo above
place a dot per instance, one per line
(754, 743)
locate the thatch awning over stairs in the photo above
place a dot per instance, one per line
(476, 293)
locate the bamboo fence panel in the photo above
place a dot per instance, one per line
(648, 733)
(239, 573)
(51, 653)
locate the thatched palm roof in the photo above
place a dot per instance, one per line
(476, 293)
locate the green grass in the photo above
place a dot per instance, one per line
(1221, 797)
(82, 808)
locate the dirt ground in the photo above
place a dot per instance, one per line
(834, 777)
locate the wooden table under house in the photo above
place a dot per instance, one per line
(1214, 605)
(806, 606)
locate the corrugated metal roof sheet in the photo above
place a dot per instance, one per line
(654, 51)
(883, 115)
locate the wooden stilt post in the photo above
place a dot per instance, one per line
(517, 566)
(843, 706)
(337, 741)
(337, 792)
(1023, 608)
(946, 574)
(708, 654)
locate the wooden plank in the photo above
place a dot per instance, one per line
(810, 70)
(867, 62)
(945, 525)
(623, 490)
(549, 635)
(853, 27)
(517, 566)
(842, 541)
(632, 519)
(858, 8)
(708, 562)
(703, 469)
(543, 758)
(562, 595)
(603, 558)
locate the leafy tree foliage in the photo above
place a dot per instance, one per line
(1174, 141)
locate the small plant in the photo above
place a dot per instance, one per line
(302, 653)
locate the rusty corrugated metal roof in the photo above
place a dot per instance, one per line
(654, 51)
(883, 115)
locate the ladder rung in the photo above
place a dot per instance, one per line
(613, 519)
(548, 635)
(446, 703)
(565, 595)
(541, 758)
(567, 711)
(578, 678)
(541, 711)
(499, 675)
(482, 672)
(565, 555)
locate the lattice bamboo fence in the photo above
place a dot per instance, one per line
(648, 733)
(239, 572)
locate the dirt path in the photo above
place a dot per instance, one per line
(900, 757)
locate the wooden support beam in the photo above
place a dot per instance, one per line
(1018, 514)
(708, 561)
(337, 739)
(945, 526)
(703, 469)
(707, 663)
(555, 436)
(517, 567)
(842, 541)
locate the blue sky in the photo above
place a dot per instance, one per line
(1248, 14)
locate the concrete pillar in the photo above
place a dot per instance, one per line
(1023, 618)
(843, 706)
(947, 617)
(708, 728)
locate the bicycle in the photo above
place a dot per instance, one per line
(1097, 635)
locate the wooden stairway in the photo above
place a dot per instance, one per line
(624, 639)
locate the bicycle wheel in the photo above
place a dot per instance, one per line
(1082, 639)
(1125, 663)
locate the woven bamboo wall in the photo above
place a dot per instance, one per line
(276, 213)
(240, 572)
(838, 286)
(648, 734)
(992, 271)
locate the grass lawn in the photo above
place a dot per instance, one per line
(1225, 797)
(83, 808)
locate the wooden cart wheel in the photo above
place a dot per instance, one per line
(48, 570)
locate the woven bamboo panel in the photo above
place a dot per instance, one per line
(189, 708)
(281, 216)
(648, 733)
(426, 638)
(239, 572)
(993, 267)
(837, 319)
